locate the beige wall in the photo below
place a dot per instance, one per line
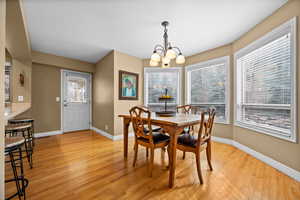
(131, 64)
(59, 61)
(106, 103)
(17, 40)
(19, 67)
(280, 150)
(2, 61)
(46, 87)
(18, 45)
(103, 94)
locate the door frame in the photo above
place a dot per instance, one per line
(62, 96)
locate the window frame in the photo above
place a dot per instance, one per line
(221, 60)
(287, 27)
(159, 69)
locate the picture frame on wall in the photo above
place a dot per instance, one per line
(128, 85)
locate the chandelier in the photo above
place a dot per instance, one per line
(165, 53)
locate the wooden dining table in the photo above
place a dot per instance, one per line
(173, 126)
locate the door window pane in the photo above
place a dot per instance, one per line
(76, 90)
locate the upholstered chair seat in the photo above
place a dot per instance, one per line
(156, 137)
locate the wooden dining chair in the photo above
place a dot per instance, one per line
(185, 109)
(189, 143)
(141, 118)
(154, 128)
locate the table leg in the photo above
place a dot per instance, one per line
(173, 142)
(126, 123)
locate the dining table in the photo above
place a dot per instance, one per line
(172, 125)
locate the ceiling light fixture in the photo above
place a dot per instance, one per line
(165, 53)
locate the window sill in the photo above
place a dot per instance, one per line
(220, 122)
(266, 131)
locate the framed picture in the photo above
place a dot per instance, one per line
(128, 85)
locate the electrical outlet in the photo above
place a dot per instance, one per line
(106, 127)
(20, 98)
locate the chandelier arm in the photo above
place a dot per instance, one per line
(179, 51)
(158, 46)
(159, 50)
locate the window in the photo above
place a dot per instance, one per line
(207, 85)
(265, 84)
(7, 82)
(77, 88)
(156, 80)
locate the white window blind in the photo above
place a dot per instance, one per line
(207, 86)
(156, 80)
(265, 89)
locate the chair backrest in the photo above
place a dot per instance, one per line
(206, 125)
(186, 109)
(141, 117)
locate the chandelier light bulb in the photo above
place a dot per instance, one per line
(180, 59)
(166, 60)
(153, 63)
(155, 57)
(171, 53)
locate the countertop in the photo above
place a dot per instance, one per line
(15, 109)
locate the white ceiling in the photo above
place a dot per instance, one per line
(88, 29)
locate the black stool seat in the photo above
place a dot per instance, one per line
(17, 127)
(13, 150)
(23, 120)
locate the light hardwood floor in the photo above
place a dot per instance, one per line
(85, 165)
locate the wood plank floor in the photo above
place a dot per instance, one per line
(85, 165)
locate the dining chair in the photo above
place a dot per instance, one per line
(189, 143)
(185, 109)
(141, 118)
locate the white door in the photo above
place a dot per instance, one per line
(76, 100)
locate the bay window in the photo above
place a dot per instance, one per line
(207, 85)
(265, 84)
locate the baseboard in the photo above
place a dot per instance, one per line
(103, 133)
(46, 134)
(222, 140)
(109, 136)
(270, 161)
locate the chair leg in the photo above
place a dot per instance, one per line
(183, 155)
(208, 155)
(169, 156)
(199, 167)
(147, 152)
(151, 160)
(136, 148)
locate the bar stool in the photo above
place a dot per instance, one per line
(13, 149)
(24, 121)
(24, 130)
